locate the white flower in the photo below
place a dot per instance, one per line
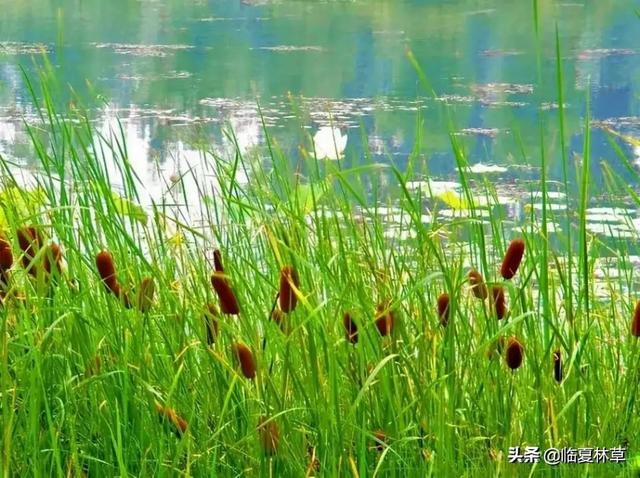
(329, 143)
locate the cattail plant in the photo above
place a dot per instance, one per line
(220, 282)
(280, 319)
(496, 348)
(6, 256)
(211, 323)
(245, 359)
(350, 328)
(380, 440)
(107, 270)
(217, 261)
(478, 286)
(228, 301)
(514, 353)
(512, 259)
(6, 261)
(385, 320)
(635, 323)
(499, 304)
(52, 260)
(289, 280)
(145, 295)
(443, 309)
(30, 241)
(93, 367)
(557, 366)
(170, 416)
(269, 435)
(314, 464)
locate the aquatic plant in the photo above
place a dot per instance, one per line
(212, 324)
(30, 241)
(245, 360)
(385, 319)
(512, 259)
(145, 295)
(287, 296)
(269, 435)
(107, 270)
(443, 309)
(514, 353)
(557, 365)
(478, 286)
(499, 303)
(635, 322)
(350, 328)
(228, 301)
(168, 415)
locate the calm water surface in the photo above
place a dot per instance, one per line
(176, 72)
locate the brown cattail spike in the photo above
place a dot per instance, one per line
(478, 286)
(93, 367)
(107, 271)
(245, 359)
(379, 440)
(6, 256)
(280, 318)
(443, 309)
(30, 241)
(269, 435)
(211, 323)
(512, 259)
(314, 463)
(350, 328)
(170, 416)
(52, 261)
(385, 320)
(217, 261)
(557, 366)
(228, 300)
(514, 353)
(499, 304)
(288, 281)
(635, 323)
(146, 292)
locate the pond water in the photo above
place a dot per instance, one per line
(173, 71)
